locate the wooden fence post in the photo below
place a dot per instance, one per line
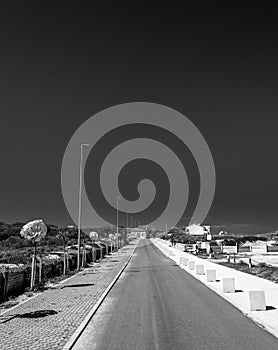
(40, 270)
(6, 281)
(64, 264)
(33, 272)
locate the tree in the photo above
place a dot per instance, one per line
(34, 231)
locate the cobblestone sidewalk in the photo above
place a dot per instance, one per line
(48, 320)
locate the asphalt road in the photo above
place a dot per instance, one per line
(157, 305)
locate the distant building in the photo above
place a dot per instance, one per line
(138, 232)
(197, 230)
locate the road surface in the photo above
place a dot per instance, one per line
(157, 305)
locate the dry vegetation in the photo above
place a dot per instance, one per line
(264, 271)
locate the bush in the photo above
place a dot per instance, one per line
(14, 242)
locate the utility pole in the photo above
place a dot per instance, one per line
(80, 203)
(118, 222)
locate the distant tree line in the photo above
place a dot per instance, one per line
(10, 237)
(180, 237)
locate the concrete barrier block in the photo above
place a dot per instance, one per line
(257, 300)
(211, 275)
(229, 285)
(200, 270)
(185, 262)
(191, 265)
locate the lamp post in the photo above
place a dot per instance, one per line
(131, 226)
(80, 202)
(127, 225)
(118, 222)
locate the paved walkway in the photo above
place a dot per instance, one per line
(243, 283)
(49, 319)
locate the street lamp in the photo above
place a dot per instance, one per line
(127, 224)
(118, 222)
(80, 202)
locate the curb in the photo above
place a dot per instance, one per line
(73, 339)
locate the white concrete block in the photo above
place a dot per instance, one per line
(257, 300)
(191, 265)
(185, 261)
(211, 275)
(229, 285)
(200, 270)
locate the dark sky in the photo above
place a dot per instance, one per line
(60, 65)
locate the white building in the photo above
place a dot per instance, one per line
(197, 230)
(138, 232)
